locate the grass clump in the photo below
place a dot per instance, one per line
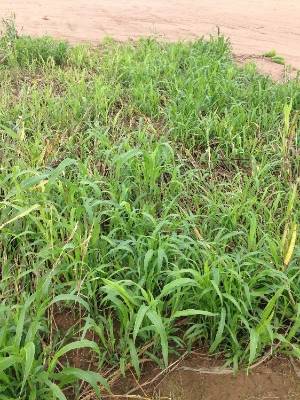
(275, 57)
(22, 51)
(153, 189)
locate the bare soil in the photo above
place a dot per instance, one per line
(202, 377)
(254, 26)
(199, 379)
(197, 376)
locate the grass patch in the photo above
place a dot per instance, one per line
(154, 189)
(275, 57)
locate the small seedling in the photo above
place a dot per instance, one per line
(278, 60)
(274, 57)
(270, 54)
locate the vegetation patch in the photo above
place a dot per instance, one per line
(275, 57)
(153, 188)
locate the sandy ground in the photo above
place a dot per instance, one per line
(254, 26)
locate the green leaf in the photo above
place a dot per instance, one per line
(191, 312)
(80, 344)
(270, 306)
(252, 233)
(4, 378)
(29, 350)
(32, 394)
(21, 320)
(296, 327)
(147, 258)
(61, 167)
(134, 358)
(6, 362)
(10, 132)
(33, 180)
(22, 214)
(118, 289)
(160, 329)
(219, 337)
(50, 175)
(70, 297)
(254, 339)
(217, 290)
(138, 320)
(93, 378)
(123, 158)
(56, 391)
(177, 284)
(233, 301)
(267, 313)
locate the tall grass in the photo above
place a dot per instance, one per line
(152, 188)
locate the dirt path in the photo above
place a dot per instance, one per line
(254, 26)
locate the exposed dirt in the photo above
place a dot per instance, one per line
(196, 377)
(201, 380)
(254, 26)
(65, 322)
(201, 377)
(266, 66)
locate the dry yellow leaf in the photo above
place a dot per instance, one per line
(291, 247)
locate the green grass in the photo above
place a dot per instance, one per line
(152, 189)
(275, 57)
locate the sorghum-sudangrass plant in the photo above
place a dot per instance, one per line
(154, 189)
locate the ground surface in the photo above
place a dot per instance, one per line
(197, 376)
(152, 189)
(197, 379)
(254, 26)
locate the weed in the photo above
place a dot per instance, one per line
(155, 186)
(270, 54)
(275, 57)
